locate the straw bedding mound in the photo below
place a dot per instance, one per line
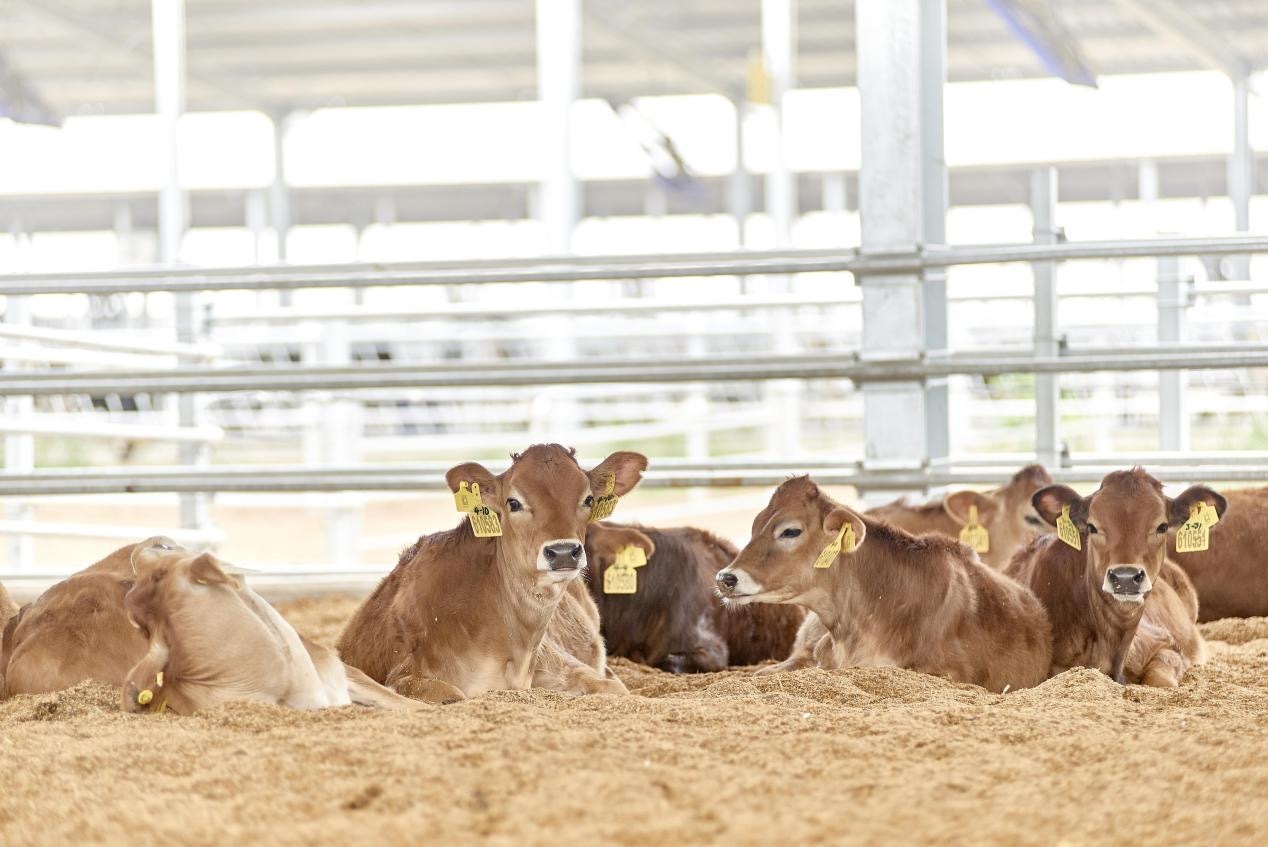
(863, 756)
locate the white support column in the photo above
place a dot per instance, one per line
(740, 183)
(1173, 418)
(890, 45)
(558, 86)
(1241, 172)
(1043, 207)
(340, 438)
(168, 21)
(19, 449)
(933, 77)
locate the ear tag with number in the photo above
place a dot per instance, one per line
(631, 556)
(1067, 531)
(1195, 535)
(605, 504)
(485, 523)
(843, 542)
(466, 499)
(620, 579)
(974, 534)
(1209, 516)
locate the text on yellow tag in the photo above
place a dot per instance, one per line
(974, 534)
(1194, 535)
(620, 579)
(1067, 531)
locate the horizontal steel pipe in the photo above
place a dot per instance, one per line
(581, 268)
(472, 374)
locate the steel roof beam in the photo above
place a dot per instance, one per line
(1181, 26)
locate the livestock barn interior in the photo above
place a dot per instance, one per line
(270, 270)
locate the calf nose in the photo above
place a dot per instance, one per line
(562, 555)
(1125, 579)
(727, 580)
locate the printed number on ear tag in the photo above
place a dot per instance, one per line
(1209, 516)
(467, 499)
(605, 504)
(843, 541)
(485, 523)
(631, 556)
(620, 579)
(1067, 531)
(1195, 535)
(974, 534)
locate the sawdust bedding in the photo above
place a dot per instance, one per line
(861, 756)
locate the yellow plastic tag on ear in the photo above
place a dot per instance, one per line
(485, 523)
(467, 499)
(620, 579)
(843, 541)
(1209, 516)
(158, 679)
(1067, 531)
(1195, 535)
(631, 556)
(145, 697)
(605, 504)
(974, 534)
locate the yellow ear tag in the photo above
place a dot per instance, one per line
(974, 534)
(145, 697)
(465, 499)
(620, 579)
(843, 541)
(158, 679)
(631, 556)
(1067, 531)
(1195, 535)
(605, 504)
(1209, 516)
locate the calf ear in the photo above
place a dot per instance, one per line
(205, 569)
(624, 467)
(838, 517)
(1049, 502)
(637, 539)
(478, 474)
(150, 552)
(1179, 508)
(956, 504)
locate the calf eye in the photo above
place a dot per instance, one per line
(1034, 520)
(1162, 529)
(514, 505)
(588, 502)
(791, 532)
(1092, 530)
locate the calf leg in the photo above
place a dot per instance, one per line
(812, 631)
(558, 670)
(366, 692)
(708, 654)
(1164, 670)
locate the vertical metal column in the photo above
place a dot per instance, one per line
(740, 184)
(279, 191)
(1241, 172)
(1173, 419)
(558, 86)
(168, 22)
(1043, 208)
(19, 448)
(933, 166)
(889, 41)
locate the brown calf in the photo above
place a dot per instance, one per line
(1006, 513)
(76, 630)
(1231, 576)
(920, 602)
(210, 639)
(461, 615)
(675, 621)
(1116, 603)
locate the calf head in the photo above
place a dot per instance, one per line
(185, 605)
(778, 563)
(1123, 529)
(543, 502)
(604, 541)
(1007, 512)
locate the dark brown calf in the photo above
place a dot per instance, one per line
(461, 614)
(76, 630)
(1115, 602)
(885, 597)
(1231, 577)
(675, 621)
(1006, 513)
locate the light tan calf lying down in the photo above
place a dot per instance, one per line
(212, 639)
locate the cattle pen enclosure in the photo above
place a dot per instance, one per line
(283, 282)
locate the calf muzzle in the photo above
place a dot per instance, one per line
(727, 581)
(1126, 581)
(562, 555)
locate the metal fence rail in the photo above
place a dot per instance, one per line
(609, 268)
